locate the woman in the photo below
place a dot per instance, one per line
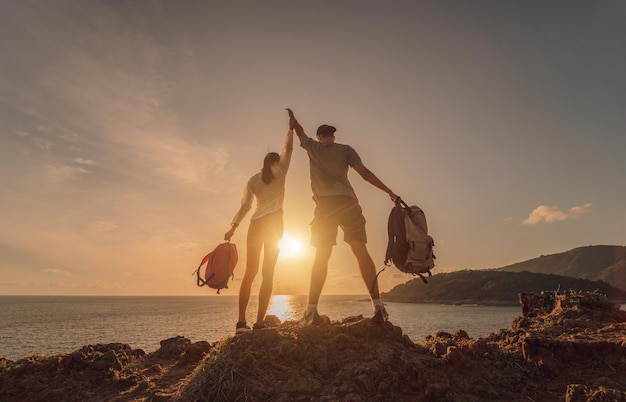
(265, 230)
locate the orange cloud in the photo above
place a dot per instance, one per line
(550, 214)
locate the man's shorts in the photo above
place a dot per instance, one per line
(334, 211)
(267, 229)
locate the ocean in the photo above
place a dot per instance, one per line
(56, 324)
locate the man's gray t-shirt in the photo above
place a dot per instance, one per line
(329, 163)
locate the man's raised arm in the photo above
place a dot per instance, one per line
(293, 124)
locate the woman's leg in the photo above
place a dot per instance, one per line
(253, 250)
(270, 256)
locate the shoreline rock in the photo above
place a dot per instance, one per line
(568, 347)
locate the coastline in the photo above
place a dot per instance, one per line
(543, 355)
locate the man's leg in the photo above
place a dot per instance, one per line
(319, 273)
(368, 272)
(323, 238)
(366, 266)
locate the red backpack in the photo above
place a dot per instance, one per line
(220, 264)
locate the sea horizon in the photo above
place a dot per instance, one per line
(34, 324)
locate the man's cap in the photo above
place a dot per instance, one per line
(325, 129)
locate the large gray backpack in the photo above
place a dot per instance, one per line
(410, 247)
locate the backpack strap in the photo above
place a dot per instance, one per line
(390, 238)
(391, 229)
(423, 277)
(376, 280)
(201, 282)
(389, 241)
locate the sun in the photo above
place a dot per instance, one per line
(290, 247)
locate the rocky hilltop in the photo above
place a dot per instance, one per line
(568, 347)
(596, 263)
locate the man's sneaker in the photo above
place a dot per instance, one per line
(259, 326)
(242, 327)
(380, 314)
(311, 318)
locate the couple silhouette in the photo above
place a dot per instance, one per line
(336, 205)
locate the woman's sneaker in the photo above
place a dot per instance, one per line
(311, 318)
(380, 314)
(242, 327)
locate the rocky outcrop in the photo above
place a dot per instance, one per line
(111, 372)
(568, 347)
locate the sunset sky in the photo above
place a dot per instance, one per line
(129, 129)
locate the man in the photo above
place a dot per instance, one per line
(337, 205)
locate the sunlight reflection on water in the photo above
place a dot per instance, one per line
(286, 307)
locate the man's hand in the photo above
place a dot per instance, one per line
(393, 197)
(294, 125)
(292, 119)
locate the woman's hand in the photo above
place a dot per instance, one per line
(292, 119)
(230, 233)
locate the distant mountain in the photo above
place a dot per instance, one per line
(605, 263)
(582, 268)
(491, 287)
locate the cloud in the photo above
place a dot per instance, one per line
(57, 271)
(550, 214)
(43, 144)
(102, 226)
(108, 108)
(61, 173)
(189, 245)
(173, 158)
(82, 161)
